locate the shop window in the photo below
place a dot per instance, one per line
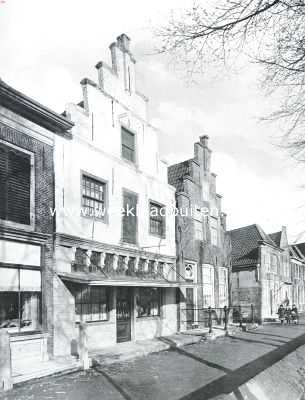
(93, 197)
(156, 219)
(15, 185)
(148, 302)
(91, 303)
(20, 299)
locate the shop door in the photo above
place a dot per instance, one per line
(123, 314)
(190, 312)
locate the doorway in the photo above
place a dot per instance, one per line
(123, 314)
(190, 312)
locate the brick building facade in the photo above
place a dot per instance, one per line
(202, 245)
(27, 131)
(261, 273)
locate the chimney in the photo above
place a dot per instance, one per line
(123, 42)
(204, 140)
(203, 153)
(123, 63)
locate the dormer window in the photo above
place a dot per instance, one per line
(128, 145)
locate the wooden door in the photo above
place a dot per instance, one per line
(123, 314)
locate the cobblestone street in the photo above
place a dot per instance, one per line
(204, 370)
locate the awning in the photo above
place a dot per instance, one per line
(92, 281)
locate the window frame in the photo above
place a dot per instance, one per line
(13, 224)
(19, 293)
(138, 302)
(123, 239)
(105, 217)
(156, 203)
(208, 284)
(75, 291)
(223, 284)
(127, 129)
(214, 229)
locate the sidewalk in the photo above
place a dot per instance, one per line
(131, 350)
(28, 370)
(248, 365)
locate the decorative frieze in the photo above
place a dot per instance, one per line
(91, 261)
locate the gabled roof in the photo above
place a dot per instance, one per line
(245, 244)
(276, 237)
(176, 174)
(297, 251)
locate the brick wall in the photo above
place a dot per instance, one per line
(196, 188)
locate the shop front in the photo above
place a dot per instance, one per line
(121, 311)
(21, 296)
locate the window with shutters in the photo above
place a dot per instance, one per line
(128, 144)
(129, 220)
(15, 185)
(157, 219)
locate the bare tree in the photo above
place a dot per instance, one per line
(270, 32)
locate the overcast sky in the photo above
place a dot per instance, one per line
(47, 47)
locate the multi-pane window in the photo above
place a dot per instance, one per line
(156, 219)
(148, 302)
(198, 230)
(208, 285)
(274, 264)
(91, 303)
(267, 262)
(128, 144)
(93, 197)
(20, 298)
(222, 285)
(15, 185)
(129, 220)
(214, 231)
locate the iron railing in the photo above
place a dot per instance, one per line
(219, 317)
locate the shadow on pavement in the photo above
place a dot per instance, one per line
(259, 341)
(234, 379)
(201, 360)
(122, 392)
(270, 334)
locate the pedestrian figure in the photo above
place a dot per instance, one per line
(288, 315)
(281, 313)
(295, 314)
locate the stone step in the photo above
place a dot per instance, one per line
(44, 369)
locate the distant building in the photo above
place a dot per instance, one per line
(115, 251)
(297, 265)
(260, 270)
(27, 134)
(203, 248)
